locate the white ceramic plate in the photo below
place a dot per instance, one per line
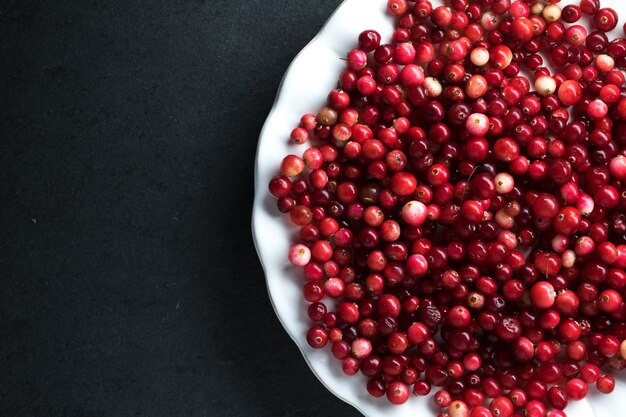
(309, 78)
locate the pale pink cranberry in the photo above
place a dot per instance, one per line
(475, 300)
(504, 183)
(313, 158)
(560, 242)
(479, 56)
(585, 204)
(299, 254)
(552, 12)
(622, 349)
(570, 192)
(477, 124)
(490, 20)
(503, 220)
(604, 62)
(537, 8)
(568, 258)
(458, 408)
(414, 213)
(545, 85)
(361, 348)
(291, 166)
(476, 86)
(433, 87)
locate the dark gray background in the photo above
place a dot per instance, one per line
(129, 284)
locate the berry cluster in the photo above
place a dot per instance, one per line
(462, 207)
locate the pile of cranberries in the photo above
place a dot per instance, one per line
(462, 207)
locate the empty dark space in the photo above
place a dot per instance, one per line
(129, 284)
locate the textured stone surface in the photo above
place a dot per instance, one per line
(129, 285)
